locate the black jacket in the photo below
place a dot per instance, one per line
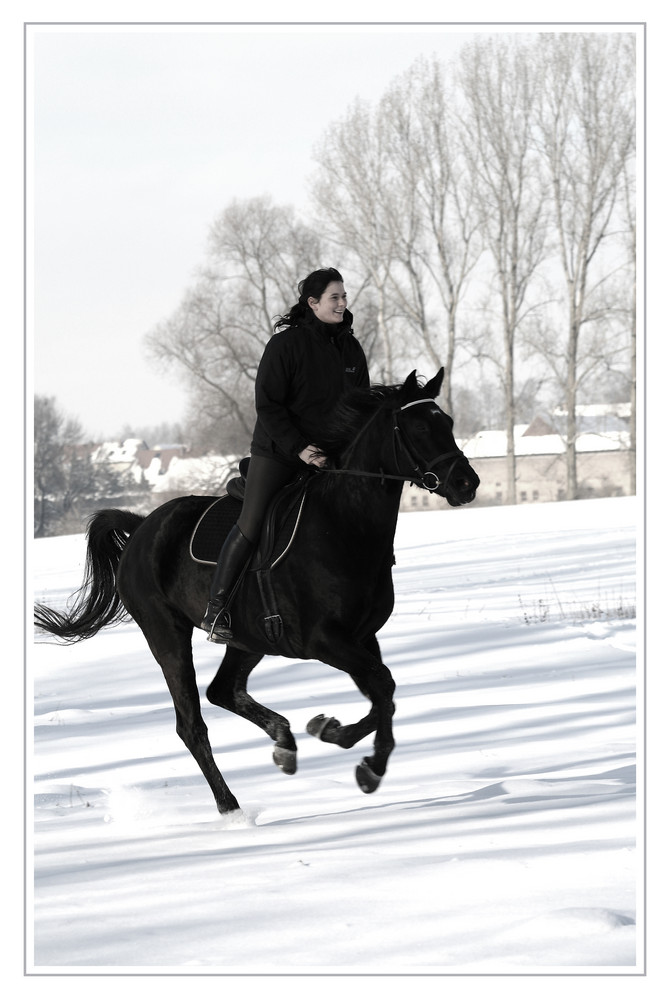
(303, 373)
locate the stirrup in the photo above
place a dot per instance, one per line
(221, 629)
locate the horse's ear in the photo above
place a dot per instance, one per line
(432, 388)
(411, 385)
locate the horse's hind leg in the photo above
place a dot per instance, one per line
(229, 689)
(171, 645)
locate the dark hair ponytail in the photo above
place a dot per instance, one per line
(311, 287)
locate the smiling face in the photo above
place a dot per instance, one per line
(331, 305)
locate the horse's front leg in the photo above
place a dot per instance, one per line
(229, 689)
(374, 680)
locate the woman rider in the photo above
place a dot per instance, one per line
(306, 366)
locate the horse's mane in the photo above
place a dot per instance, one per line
(354, 409)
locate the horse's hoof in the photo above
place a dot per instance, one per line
(285, 759)
(367, 779)
(323, 727)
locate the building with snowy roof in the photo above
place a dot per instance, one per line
(604, 463)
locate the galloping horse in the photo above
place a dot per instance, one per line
(333, 588)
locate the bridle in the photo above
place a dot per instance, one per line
(422, 473)
(401, 440)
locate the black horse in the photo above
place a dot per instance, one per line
(333, 588)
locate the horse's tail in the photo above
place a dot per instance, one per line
(97, 602)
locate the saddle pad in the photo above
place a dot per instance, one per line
(217, 521)
(213, 527)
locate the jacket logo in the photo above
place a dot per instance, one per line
(351, 370)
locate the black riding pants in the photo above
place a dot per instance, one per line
(265, 477)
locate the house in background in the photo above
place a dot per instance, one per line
(169, 470)
(604, 461)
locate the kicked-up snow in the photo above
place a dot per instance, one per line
(505, 837)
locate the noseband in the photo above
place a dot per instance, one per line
(422, 473)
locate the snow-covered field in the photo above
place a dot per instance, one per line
(505, 839)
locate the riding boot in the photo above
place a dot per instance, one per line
(233, 555)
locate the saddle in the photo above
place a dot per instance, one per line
(278, 532)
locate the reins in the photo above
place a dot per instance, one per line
(418, 475)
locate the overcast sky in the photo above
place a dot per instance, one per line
(139, 136)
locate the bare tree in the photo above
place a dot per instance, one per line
(356, 196)
(586, 129)
(437, 236)
(258, 252)
(49, 439)
(264, 251)
(453, 207)
(628, 192)
(392, 193)
(500, 84)
(65, 478)
(203, 342)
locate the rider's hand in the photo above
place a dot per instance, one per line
(312, 456)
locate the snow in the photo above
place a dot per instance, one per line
(493, 444)
(191, 475)
(505, 838)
